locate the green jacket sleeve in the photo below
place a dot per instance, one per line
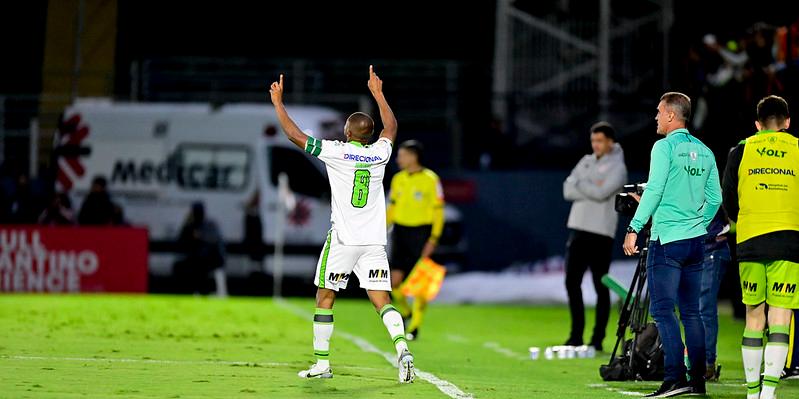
(659, 167)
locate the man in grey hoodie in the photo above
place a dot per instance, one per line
(592, 186)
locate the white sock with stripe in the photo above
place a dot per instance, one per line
(752, 352)
(322, 331)
(392, 319)
(775, 355)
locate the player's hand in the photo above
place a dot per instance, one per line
(629, 246)
(375, 84)
(428, 249)
(276, 91)
(636, 197)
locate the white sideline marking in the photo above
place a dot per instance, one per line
(630, 393)
(150, 361)
(159, 361)
(616, 390)
(503, 350)
(457, 338)
(444, 386)
(494, 346)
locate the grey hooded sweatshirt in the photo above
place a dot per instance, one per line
(592, 186)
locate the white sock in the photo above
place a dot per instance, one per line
(775, 355)
(322, 331)
(752, 351)
(392, 319)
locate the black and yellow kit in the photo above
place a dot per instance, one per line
(416, 208)
(761, 194)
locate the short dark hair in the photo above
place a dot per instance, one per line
(772, 109)
(415, 147)
(604, 128)
(361, 125)
(679, 103)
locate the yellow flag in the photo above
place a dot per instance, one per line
(425, 279)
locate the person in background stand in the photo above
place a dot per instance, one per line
(592, 187)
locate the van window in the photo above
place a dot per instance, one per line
(214, 167)
(304, 177)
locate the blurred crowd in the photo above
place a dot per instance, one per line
(23, 201)
(727, 73)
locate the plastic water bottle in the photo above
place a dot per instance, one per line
(591, 352)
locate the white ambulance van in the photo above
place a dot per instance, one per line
(159, 158)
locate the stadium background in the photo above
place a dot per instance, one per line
(440, 65)
(501, 92)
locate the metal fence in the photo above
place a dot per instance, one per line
(557, 72)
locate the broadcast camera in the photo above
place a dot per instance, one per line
(625, 203)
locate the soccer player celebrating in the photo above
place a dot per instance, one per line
(760, 195)
(357, 239)
(416, 209)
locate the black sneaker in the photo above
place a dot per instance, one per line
(698, 387)
(412, 335)
(713, 372)
(671, 388)
(790, 374)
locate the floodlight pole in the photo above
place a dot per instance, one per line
(604, 59)
(280, 235)
(502, 44)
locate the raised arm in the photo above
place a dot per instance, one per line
(386, 115)
(290, 128)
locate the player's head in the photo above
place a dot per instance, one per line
(772, 114)
(99, 184)
(197, 212)
(409, 154)
(674, 111)
(359, 127)
(603, 136)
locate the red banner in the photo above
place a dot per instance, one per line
(73, 259)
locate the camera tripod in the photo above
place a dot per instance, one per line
(635, 310)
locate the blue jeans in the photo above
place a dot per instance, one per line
(716, 261)
(674, 277)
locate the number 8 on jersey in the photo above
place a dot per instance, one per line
(360, 188)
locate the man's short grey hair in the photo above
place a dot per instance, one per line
(679, 103)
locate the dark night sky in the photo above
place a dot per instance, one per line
(411, 29)
(408, 29)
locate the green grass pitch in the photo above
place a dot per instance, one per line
(103, 346)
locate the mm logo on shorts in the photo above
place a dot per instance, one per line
(336, 277)
(751, 287)
(378, 273)
(783, 288)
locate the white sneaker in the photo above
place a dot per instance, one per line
(405, 365)
(316, 372)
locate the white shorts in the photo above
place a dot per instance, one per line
(338, 261)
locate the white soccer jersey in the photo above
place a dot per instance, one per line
(355, 171)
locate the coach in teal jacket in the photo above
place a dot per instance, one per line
(682, 196)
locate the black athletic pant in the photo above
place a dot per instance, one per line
(407, 245)
(583, 251)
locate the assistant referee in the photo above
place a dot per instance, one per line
(416, 209)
